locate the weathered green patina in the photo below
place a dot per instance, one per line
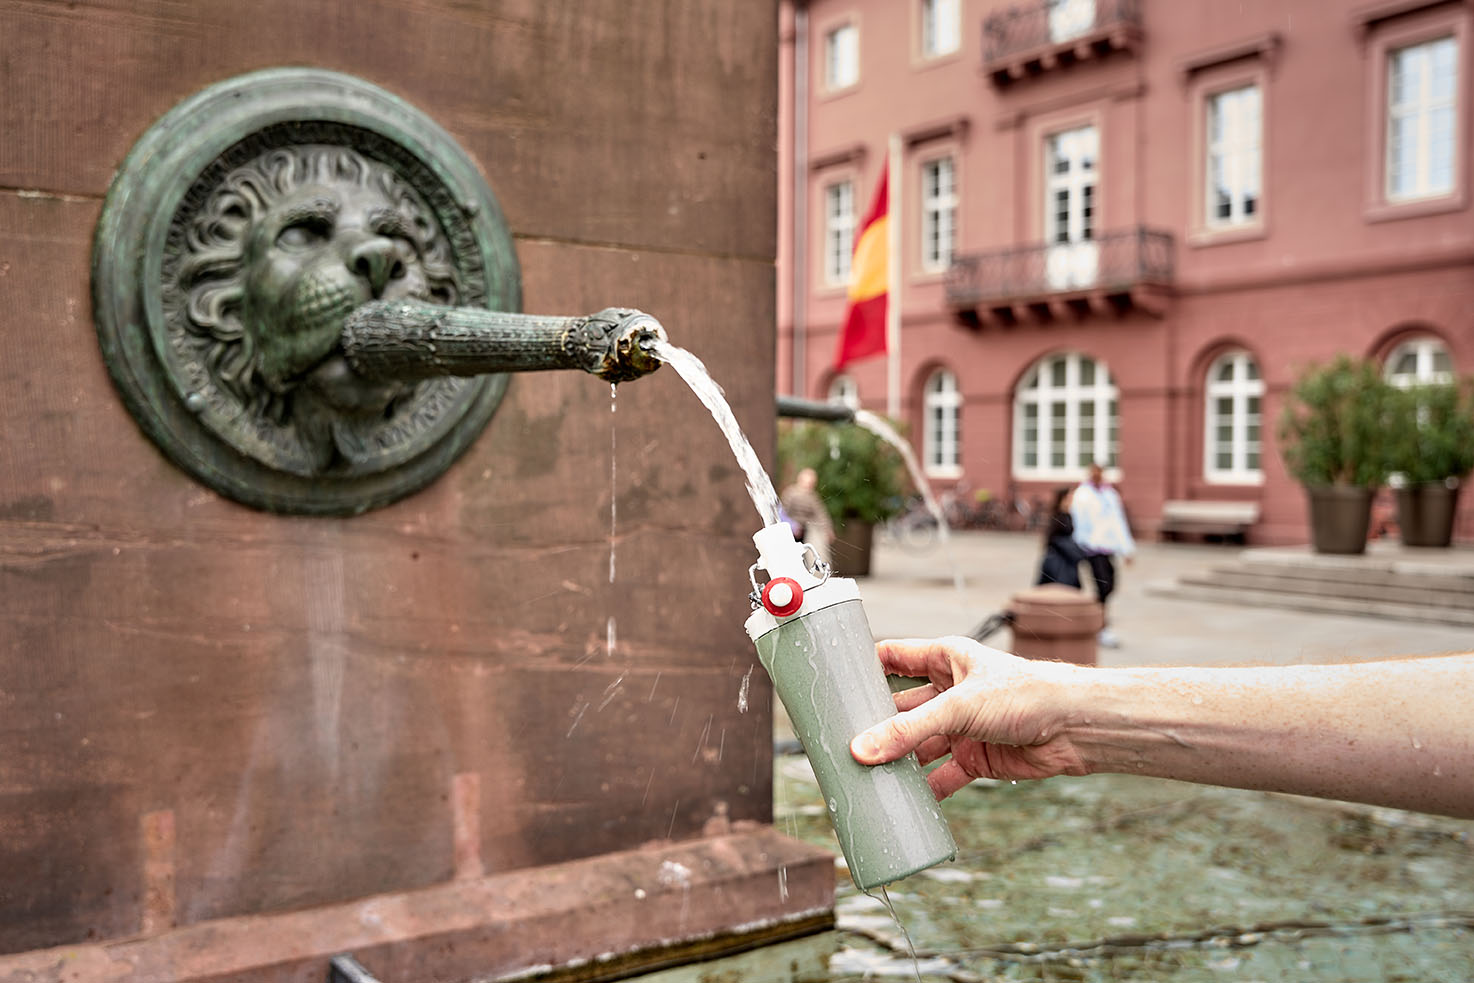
(240, 234)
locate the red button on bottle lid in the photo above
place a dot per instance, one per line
(782, 596)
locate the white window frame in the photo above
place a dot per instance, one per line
(941, 28)
(1425, 350)
(844, 390)
(1079, 149)
(941, 414)
(842, 57)
(939, 203)
(1423, 111)
(1037, 388)
(839, 232)
(1238, 154)
(1245, 391)
(1072, 257)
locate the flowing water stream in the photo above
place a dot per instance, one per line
(765, 500)
(759, 485)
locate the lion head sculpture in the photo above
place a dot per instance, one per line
(277, 255)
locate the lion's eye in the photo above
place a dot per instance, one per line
(303, 234)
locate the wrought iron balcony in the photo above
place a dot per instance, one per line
(1123, 270)
(1039, 36)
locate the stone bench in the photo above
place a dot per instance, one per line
(1208, 518)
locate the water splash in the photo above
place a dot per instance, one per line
(742, 692)
(613, 482)
(885, 899)
(878, 426)
(759, 485)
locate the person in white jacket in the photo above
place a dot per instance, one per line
(1102, 531)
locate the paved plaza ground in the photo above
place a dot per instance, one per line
(911, 592)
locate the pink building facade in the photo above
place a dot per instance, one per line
(1124, 226)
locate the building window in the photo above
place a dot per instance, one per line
(941, 32)
(844, 390)
(1070, 175)
(842, 57)
(942, 410)
(938, 214)
(1422, 80)
(1419, 361)
(1068, 19)
(1233, 157)
(839, 232)
(1233, 401)
(1065, 417)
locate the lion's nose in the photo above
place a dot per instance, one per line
(376, 260)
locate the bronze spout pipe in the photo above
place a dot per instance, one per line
(810, 409)
(406, 340)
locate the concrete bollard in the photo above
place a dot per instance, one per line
(1056, 623)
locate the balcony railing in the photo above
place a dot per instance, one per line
(1119, 270)
(1049, 32)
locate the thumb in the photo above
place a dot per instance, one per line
(897, 736)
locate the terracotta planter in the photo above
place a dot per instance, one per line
(1425, 513)
(851, 547)
(1339, 518)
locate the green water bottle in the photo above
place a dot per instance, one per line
(813, 639)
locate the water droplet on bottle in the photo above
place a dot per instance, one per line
(833, 806)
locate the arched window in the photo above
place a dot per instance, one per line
(1419, 361)
(842, 389)
(1065, 417)
(941, 409)
(1233, 398)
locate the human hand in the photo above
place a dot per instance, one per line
(997, 715)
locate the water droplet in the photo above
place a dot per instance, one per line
(1417, 744)
(833, 806)
(1197, 701)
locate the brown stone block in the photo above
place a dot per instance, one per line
(69, 854)
(619, 910)
(633, 124)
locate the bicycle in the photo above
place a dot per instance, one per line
(914, 527)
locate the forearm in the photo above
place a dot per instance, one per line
(1394, 733)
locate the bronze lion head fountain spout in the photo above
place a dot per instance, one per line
(307, 296)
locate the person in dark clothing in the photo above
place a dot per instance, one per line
(1062, 555)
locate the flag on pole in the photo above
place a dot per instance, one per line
(864, 331)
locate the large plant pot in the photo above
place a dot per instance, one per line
(1339, 518)
(1425, 513)
(850, 550)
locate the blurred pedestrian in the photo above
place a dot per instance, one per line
(1062, 555)
(802, 503)
(1102, 530)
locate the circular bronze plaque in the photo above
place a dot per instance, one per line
(240, 231)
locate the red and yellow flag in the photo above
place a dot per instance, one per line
(864, 326)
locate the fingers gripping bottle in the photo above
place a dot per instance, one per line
(813, 639)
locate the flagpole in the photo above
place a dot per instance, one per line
(893, 281)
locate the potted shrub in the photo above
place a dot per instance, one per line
(1432, 449)
(1333, 437)
(861, 479)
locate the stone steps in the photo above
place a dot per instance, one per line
(1435, 587)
